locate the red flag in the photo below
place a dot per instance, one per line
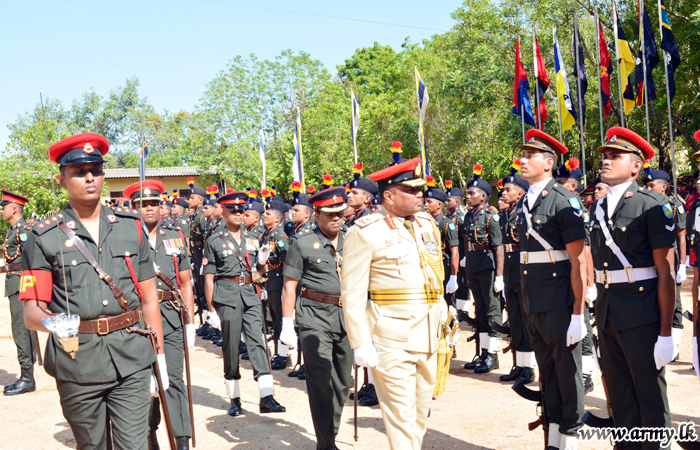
(542, 80)
(520, 90)
(605, 69)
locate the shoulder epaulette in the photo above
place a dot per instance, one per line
(126, 212)
(45, 225)
(493, 209)
(562, 190)
(661, 199)
(366, 220)
(217, 234)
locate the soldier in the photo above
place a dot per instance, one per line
(172, 267)
(165, 218)
(483, 247)
(694, 226)
(314, 261)
(632, 240)
(658, 181)
(361, 195)
(396, 257)
(12, 207)
(216, 223)
(301, 213)
(180, 221)
(600, 189)
(103, 387)
(514, 187)
(454, 213)
(276, 242)
(198, 225)
(231, 260)
(208, 210)
(253, 224)
(553, 278)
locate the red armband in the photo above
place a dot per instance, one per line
(36, 285)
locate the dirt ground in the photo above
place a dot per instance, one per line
(476, 411)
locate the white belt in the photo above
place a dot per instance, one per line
(627, 275)
(549, 256)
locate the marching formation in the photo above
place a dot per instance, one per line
(377, 274)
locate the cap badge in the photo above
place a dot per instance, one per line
(532, 139)
(147, 191)
(335, 198)
(87, 148)
(613, 138)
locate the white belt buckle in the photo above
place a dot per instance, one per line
(524, 255)
(629, 271)
(609, 242)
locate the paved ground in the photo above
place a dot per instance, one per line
(476, 411)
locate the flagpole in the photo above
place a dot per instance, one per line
(668, 106)
(301, 153)
(421, 137)
(577, 37)
(617, 61)
(644, 68)
(537, 84)
(352, 126)
(561, 133)
(600, 88)
(264, 163)
(142, 175)
(521, 106)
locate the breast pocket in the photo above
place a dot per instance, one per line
(120, 249)
(394, 322)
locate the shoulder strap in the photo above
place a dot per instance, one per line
(244, 262)
(329, 246)
(532, 232)
(600, 215)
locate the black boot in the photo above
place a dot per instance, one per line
(23, 385)
(204, 329)
(587, 384)
(362, 392)
(242, 348)
(476, 361)
(302, 373)
(489, 363)
(282, 362)
(235, 408)
(527, 375)
(370, 398)
(269, 405)
(153, 441)
(245, 357)
(513, 375)
(182, 443)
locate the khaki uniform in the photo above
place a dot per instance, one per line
(401, 319)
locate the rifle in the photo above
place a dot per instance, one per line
(355, 402)
(184, 316)
(538, 397)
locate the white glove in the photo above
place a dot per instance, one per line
(463, 262)
(451, 284)
(577, 329)
(263, 294)
(681, 276)
(190, 330)
(591, 294)
(287, 335)
(366, 356)
(163, 369)
(263, 254)
(664, 351)
(696, 363)
(498, 284)
(214, 320)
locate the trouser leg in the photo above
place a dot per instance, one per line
(252, 328)
(487, 304)
(519, 333)
(587, 341)
(231, 322)
(176, 394)
(275, 300)
(24, 340)
(127, 407)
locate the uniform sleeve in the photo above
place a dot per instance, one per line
(451, 235)
(570, 220)
(294, 264)
(680, 217)
(209, 259)
(37, 277)
(357, 258)
(184, 227)
(145, 268)
(495, 233)
(184, 260)
(282, 244)
(660, 227)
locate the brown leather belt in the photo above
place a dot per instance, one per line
(508, 248)
(240, 279)
(322, 298)
(475, 247)
(166, 296)
(106, 325)
(12, 269)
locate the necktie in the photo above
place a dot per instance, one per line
(409, 226)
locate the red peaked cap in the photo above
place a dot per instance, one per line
(697, 135)
(152, 190)
(405, 172)
(543, 142)
(626, 140)
(234, 200)
(11, 197)
(81, 148)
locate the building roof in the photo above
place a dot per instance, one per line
(161, 172)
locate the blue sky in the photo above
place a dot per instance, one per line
(175, 47)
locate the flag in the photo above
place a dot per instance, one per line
(646, 38)
(423, 98)
(521, 97)
(542, 80)
(626, 61)
(605, 70)
(580, 73)
(671, 55)
(566, 106)
(354, 124)
(296, 165)
(142, 161)
(261, 134)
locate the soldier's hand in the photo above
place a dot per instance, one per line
(591, 294)
(696, 363)
(263, 254)
(214, 320)
(366, 356)
(163, 369)
(577, 329)
(263, 294)
(681, 276)
(498, 284)
(287, 335)
(463, 262)
(664, 351)
(190, 330)
(452, 284)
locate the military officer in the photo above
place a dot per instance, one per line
(483, 247)
(232, 259)
(632, 242)
(553, 279)
(217, 222)
(302, 220)
(165, 218)
(600, 189)
(314, 262)
(514, 187)
(198, 225)
(179, 220)
(104, 385)
(12, 207)
(252, 219)
(454, 213)
(396, 257)
(361, 195)
(276, 241)
(172, 267)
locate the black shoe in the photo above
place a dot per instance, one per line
(281, 363)
(245, 356)
(476, 362)
(370, 398)
(302, 373)
(362, 392)
(487, 364)
(270, 405)
(587, 383)
(204, 329)
(235, 408)
(219, 343)
(242, 348)
(527, 375)
(23, 385)
(513, 375)
(182, 443)
(153, 441)
(294, 372)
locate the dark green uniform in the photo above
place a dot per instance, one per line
(300, 229)
(450, 238)
(198, 226)
(627, 314)
(328, 356)
(257, 230)
(278, 241)
(481, 228)
(237, 304)
(679, 220)
(548, 300)
(166, 221)
(170, 255)
(104, 391)
(360, 213)
(14, 242)
(463, 292)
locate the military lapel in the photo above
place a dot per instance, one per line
(545, 192)
(631, 189)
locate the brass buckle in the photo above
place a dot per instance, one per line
(340, 302)
(606, 278)
(106, 325)
(552, 255)
(241, 282)
(629, 271)
(525, 257)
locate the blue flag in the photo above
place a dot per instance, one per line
(521, 96)
(580, 74)
(652, 55)
(672, 56)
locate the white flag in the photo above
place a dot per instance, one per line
(296, 166)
